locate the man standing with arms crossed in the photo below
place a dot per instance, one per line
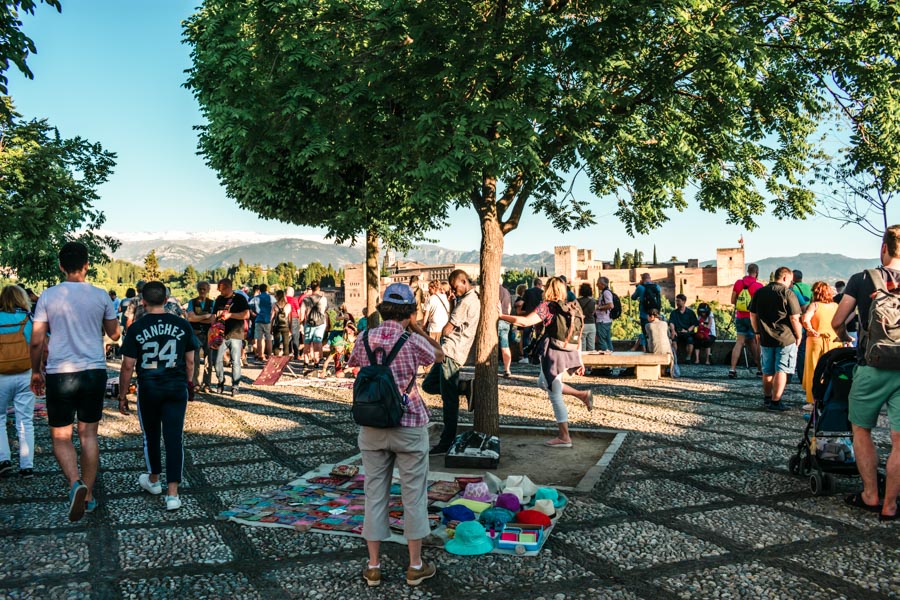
(77, 315)
(162, 347)
(456, 342)
(232, 309)
(200, 315)
(873, 387)
(775, 315)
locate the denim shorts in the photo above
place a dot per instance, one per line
(503, 334)
(744, 327)
(780, 359)
(313, 335)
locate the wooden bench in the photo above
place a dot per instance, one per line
(646, 366)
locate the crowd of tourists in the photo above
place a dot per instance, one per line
(55, 346)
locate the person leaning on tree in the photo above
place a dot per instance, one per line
(456, 342)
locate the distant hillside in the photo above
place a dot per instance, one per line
(817, 266)
(205, 252)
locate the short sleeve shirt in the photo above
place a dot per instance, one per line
(74, 313)
(234, 328)
(200, 308)
(773, 306)
(683, 320)
(158, 343)
(657, 333)
(464, 318)
(752, 285)
(602, 316)
(415, 353)
(860, 287)
(438, 312)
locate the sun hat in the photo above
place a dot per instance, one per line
(399, 293)
(532, 517)
(509, 502)
(462, 482)
(494, 483)
(517, 492)
(546, 507)
(547, 493)
(478, 491)
(528, 487)
(475, 506)
(457, 512)
(496, 517)
(470, 539)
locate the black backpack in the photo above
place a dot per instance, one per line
(650, 299)
(616, 311)
(314, 316)
(565, 330)
(377, 402)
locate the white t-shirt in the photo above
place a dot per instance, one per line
(438, 309)
(75, 313)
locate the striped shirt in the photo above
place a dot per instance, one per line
(415, 352)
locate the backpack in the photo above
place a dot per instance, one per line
(15, 355)
(314, 316)
(280, 320)
(565, 330)
(743, 300)
(377, 402)
(616, 311)
(650, 299)
(882, 337)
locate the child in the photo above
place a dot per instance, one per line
(341, 347)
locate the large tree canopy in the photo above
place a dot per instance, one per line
(496, 105)
(15, 46)
(47, 190)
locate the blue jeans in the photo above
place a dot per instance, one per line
(15, 390)
(588, 336)
(236, 345)
(604, 336)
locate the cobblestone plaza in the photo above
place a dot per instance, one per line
(698, 503)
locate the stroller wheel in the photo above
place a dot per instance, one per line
(805, 466)
(794, 464)
(816, 483)
(830, 482)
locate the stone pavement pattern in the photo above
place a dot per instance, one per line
(697, 504)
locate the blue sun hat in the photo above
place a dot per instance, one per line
(458, 512)
(470, 539)
(496, 518)
(546, 493)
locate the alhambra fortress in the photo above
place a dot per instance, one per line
(712, 283)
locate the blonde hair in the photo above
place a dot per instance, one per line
(13, 297)
(555, 290)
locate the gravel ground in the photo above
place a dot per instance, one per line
(696, 504)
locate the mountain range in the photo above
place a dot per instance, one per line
(177, 250)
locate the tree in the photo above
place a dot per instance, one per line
(48, 185)
(856, 198)
(151, 267)
(189, 277)
(654, 255)
(628, 261)
(491, 105)
(617, 259)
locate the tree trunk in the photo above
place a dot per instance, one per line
(487, 409)
(373, 275)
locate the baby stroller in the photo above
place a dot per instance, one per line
(827, 446)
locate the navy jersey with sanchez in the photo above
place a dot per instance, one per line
(158, 343)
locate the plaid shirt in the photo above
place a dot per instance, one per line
(415, 352)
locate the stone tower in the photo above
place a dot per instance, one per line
(729, 265)
(565, 261)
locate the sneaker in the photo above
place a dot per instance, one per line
(235, 391)
(523, 361)
(732, 374)
(438, 450)
(26, 473)
(807, 407)
(90, 506)
(221, 388)
(6, 468)
(416, 576)
(779, 406)
(767, 402)
(173, 502)
(372, 575)
(76, 501)
(758, 373)
(148, 486)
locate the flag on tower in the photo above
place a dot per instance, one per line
(741, 241)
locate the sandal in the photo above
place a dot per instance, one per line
(558, 443)
(856, 501)
(883, 517)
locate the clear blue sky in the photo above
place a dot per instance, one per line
(112, 71)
